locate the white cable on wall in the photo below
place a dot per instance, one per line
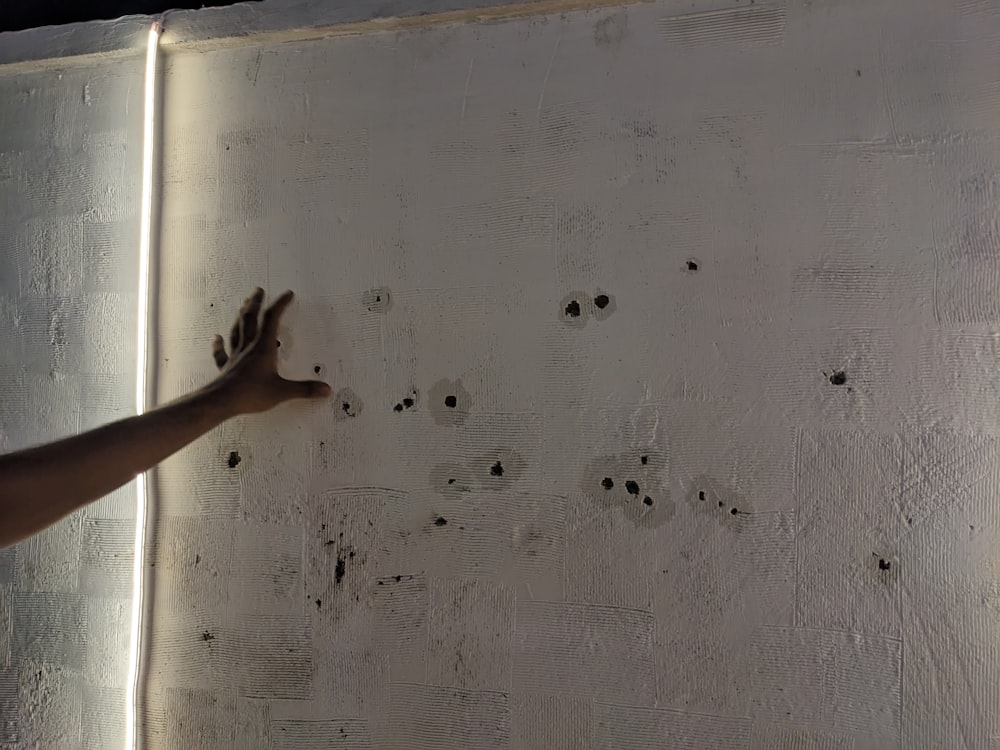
(142, 371)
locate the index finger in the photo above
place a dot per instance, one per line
(272, 316)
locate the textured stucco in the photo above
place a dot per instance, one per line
(70, 146)
(734, 258)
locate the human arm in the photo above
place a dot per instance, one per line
(42, 485)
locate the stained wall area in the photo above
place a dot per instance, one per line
(70, 156)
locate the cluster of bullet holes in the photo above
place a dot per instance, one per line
(703, 497)
(573, 309)
(631, 486)
(406, 403)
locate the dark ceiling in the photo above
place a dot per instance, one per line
(27, 14)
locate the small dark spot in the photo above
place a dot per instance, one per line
(496, 470)
(573, 309)
(207, 636)
(322, 526)
(279, 343)
(858, 72)
(234, 459)
(692, 265)
(607, 483)
(441, 521)
(339, 571)
(351, 555)
(328, 542)
(701, 494)
(319, 603)
(734, 511)
(883, 564)
(839, 377)
(316, 369)
(398, 578)
(631, 487)
(647, 500)
(398, 407)
(211, 304)
(451, 402)
(346, 407)
(721, 503)
(381, 583)
(408, 403)
(197, 559)
(451, 481)
(227, 148)
(644, 460)
(602, 301)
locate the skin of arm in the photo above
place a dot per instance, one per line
(42, 485)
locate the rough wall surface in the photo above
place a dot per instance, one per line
(714, 289)
(70, 150)
(665, 344)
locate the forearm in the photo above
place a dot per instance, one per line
(42, 485)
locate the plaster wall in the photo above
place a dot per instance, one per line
(777, 223)
(70, 149)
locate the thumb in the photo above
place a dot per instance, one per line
(308, 388)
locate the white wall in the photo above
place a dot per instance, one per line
(70, 149)
(437, 196)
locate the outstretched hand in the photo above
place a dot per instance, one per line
(249, 376)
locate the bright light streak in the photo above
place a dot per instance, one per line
(145, 241)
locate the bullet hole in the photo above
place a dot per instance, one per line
(734, 511)
(701, 494)
(227, 148)
(647, 500)
(207, 636)
(573, 309)
(279, 343)
(234, 459)
(721, 503)
(839, 377)
(451, 481)
(328, 542)
(883, 564)
(631, 487)
(197, 559)
(398, 407)
(607, 483)
(322, 526)
(441, 521)
(602, 301)
(345, 407)
(496, 470)
(211, 304)
(319, 603)
(451, 402)
(644, 460)
(338, 572)
(316, 369)
(692, 265)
